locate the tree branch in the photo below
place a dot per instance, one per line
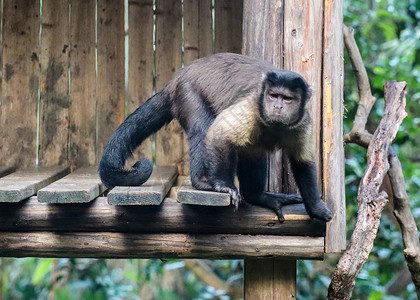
(370, 201)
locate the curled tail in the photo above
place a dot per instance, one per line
(143, 122)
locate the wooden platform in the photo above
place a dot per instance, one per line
(40, 227)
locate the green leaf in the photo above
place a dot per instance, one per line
(41, 270)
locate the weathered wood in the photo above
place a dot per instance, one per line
(169, 149)
(170, 217)
(152, 192)
(129, 245)
(270, 278)
(54, 83)
(140, 63)
(82, 110)
(332, 124)
(25, 183)
(6, 171)
(111, 65)
(228, 25)
(20, 72)
(83, 185)
(188, 195)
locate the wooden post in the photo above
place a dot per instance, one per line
(263, 38)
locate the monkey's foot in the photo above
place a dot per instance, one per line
(319, 211)
(235, 197)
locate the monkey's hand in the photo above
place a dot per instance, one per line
(319, 211)
(233, 191)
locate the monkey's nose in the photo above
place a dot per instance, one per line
(278, 106)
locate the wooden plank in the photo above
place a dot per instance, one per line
(25, 183)
(169, 146)
(140, 63)
(228, 25)
(170, 217)
(129, 245)
(152, 192)
(54, 84)
(270, 278)
(263, 38)
(189, 195)
(82, 110)
(111, 65)
(19, 101)
(332, 124)
(83, 185)
(6, 171)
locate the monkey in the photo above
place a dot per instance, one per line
(235, 110)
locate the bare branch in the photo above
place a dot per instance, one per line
(370, 201)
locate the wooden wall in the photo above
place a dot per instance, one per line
(73, 69)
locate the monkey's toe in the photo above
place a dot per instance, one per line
(320, 212)
(235, 197)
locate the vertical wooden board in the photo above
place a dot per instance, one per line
(303, 55)
(270, 279)
(18, 106)
(111, 65)
(332, 125)
(263, 38)
(198, 42)
(82, 110)
(140, 61)
(54, 83)
(169, 145)
(228, 25)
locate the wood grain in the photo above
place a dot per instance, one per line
(83, 185)
(26, 182)
(152, 192)
(128, 245)
(228, 26)
(170, 217)
(270, 278)
(169, 145)
(18, 108)
(140, 63)
(332, 124)
(110, 79)
(82, 110)
(54, 83)
(188, 195)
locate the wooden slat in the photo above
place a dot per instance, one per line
(54, 84)
(189, 195)
(140, 63)
(333, 152)
(152, 192)
(270, 278)
(228, 25)
(170, 217)
(82, 110)
(110, 102)
(128, 245)
(25, 183)
(83, 185)
(6, 171)
(169, 149)
(18, 108)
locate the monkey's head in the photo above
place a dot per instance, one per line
(284, 97)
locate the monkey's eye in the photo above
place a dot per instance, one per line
(273, 96)
(288, 99)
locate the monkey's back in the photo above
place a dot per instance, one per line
(224, 78)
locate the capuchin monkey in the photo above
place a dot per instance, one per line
(234, 109)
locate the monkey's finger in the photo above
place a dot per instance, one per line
(280, 215)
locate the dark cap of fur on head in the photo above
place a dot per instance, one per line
(291, 80)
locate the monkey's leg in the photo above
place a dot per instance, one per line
(198, 164)
(222, 161)
(305, 177)
(252, 175)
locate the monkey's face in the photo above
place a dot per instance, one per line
(282, 105)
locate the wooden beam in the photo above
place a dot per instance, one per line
(188, 195)
(129, 245)
(170, 217)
